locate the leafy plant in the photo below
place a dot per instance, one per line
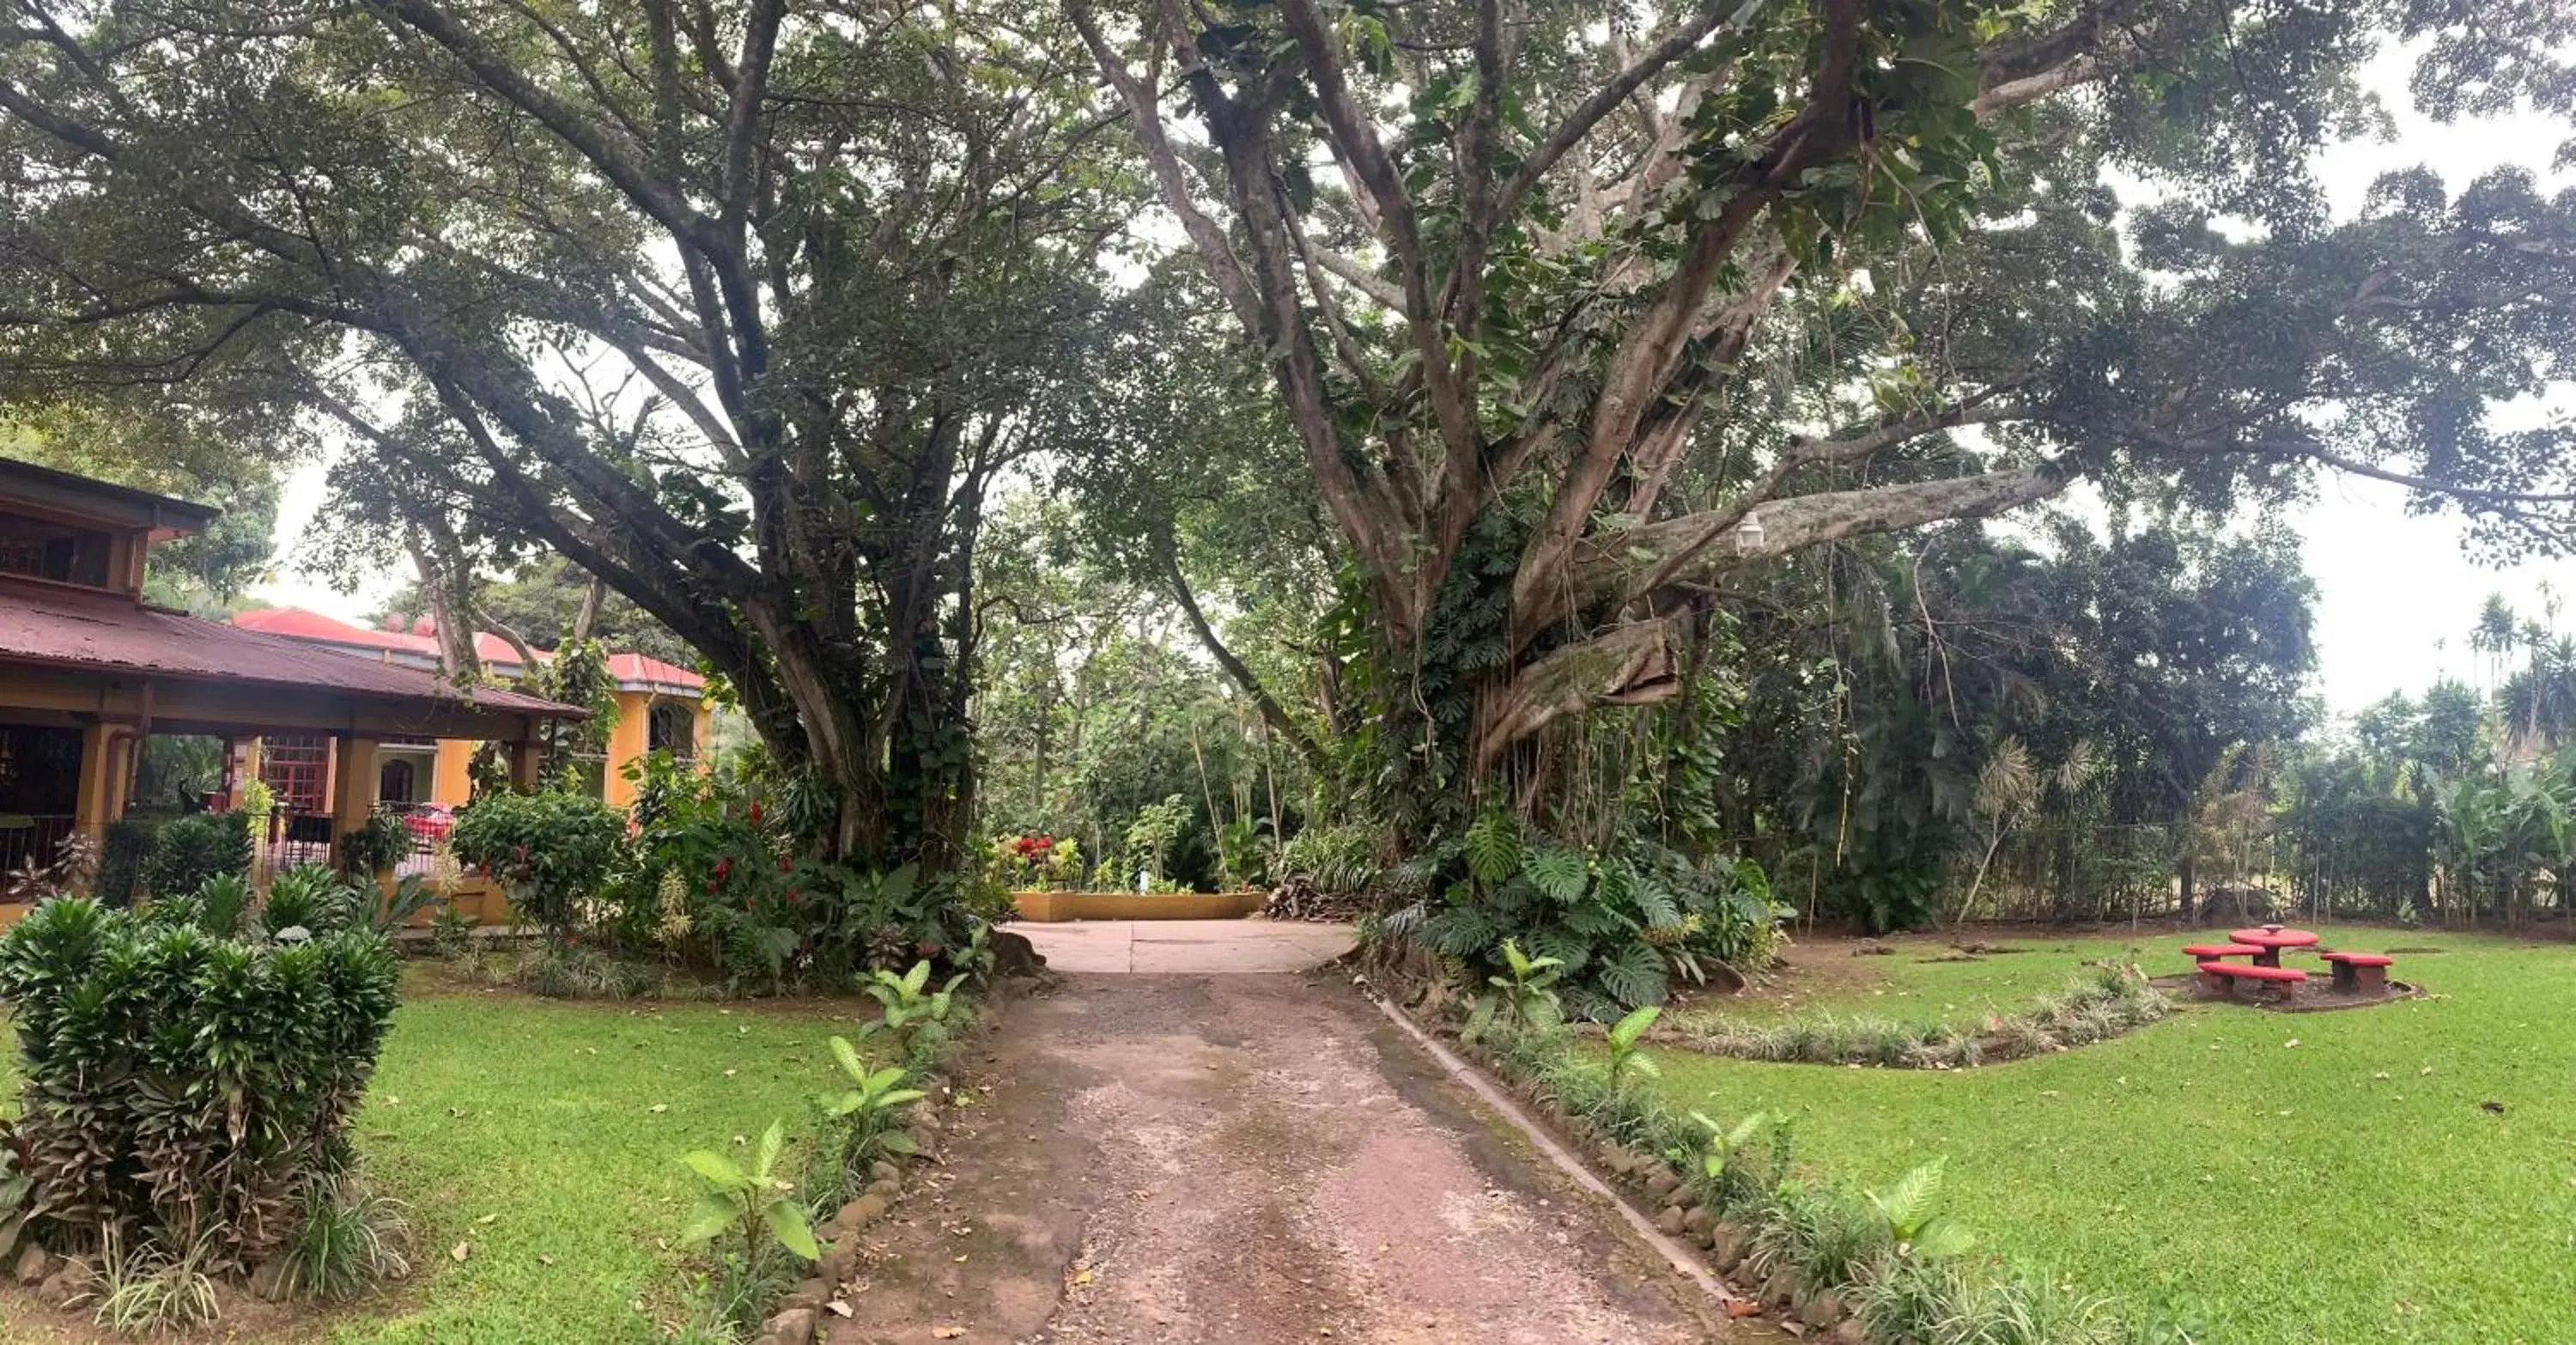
(219, 904)
(910, 1004)
(350, 1239)
(151, 1288)
(1622, 1039)
(873, 1109)
(450, 931)
(125, 850)
(1915, 1223)
(383, 842)
(189, 850)
(313, 898)
(551, 851)
(182, 1081)
(748, 1203)
(1526, 984)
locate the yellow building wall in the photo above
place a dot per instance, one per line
(451, 779)
(626, 740)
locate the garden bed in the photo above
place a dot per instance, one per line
(1050, 907)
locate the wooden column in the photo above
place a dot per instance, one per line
(527, 765)
(353, 779)
(95, 806)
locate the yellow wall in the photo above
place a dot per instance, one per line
(626, 741)
(451, 781)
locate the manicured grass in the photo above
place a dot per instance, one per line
(2348, 1187)
(526, 1129)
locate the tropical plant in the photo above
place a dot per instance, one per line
(1916, 1227)
(912, 1008)
(747, 1203)
(181, 1081)
(873, 1108)
(1622, 1041)
(1527, 984)
(552, 852)
(189, 850)
(125, 852)
(381, 843)
(153, 1287)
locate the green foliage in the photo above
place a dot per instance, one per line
(913, 1011)
(376, 847)
(1527, 984)
(2106, 1003)
(752, 1204)
(350, 1241)
(1912, 1209)
(552, 852)
(152, 1288)
(189, 850)
(177, 1080)
(1622, 1040)
(1619, 929)
(721, 879)
(313, 898)
(1340, 860)
(873, 1109)
(125, 851)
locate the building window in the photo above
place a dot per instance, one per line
(393, 782)
(672, 726)
(295, 769)
(57, 551)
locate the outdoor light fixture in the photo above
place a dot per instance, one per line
(1748, 534)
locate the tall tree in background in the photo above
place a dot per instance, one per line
(1574, 310)
(739, 307)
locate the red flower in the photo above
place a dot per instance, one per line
(724, 868)
(755, 812)
(791, 896)
(783, 865)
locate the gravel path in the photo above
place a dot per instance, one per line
(1253, 1160)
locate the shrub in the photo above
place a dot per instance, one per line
(176, 1080)
(379, 845)
(124, 849)
(1338, 861)
(189, 850)
(552, 852)
(311, 897)
(150, 1288)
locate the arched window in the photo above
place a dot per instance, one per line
(393, 782)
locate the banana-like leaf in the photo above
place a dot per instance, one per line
(709, 1221)
(848, 1055)
(717, 1169)
(765, 1158)
(787, 1223)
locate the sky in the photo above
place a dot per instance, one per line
(2396, 592)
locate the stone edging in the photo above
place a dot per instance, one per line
(1699, 1245)
(816, 1301)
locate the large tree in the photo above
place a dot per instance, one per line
(1575, 309)
(740, 307)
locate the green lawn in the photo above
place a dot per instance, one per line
(2282, 1178)
(526, 1129)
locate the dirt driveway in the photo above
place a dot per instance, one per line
(1254, 1160)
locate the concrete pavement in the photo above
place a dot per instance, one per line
(1187, 947)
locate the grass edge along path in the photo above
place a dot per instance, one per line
(2256, 1176)
(544, 1138)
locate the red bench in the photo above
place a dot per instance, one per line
(2211, 952)
(2273, 983)
(2360, 972)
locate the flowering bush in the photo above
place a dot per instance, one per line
(1027, 862)
(552, 852)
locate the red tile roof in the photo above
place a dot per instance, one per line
(633, 671)
(68, 627)
(295, 623)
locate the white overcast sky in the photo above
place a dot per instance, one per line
(2396, 593)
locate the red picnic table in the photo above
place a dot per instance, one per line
(2271, 939)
